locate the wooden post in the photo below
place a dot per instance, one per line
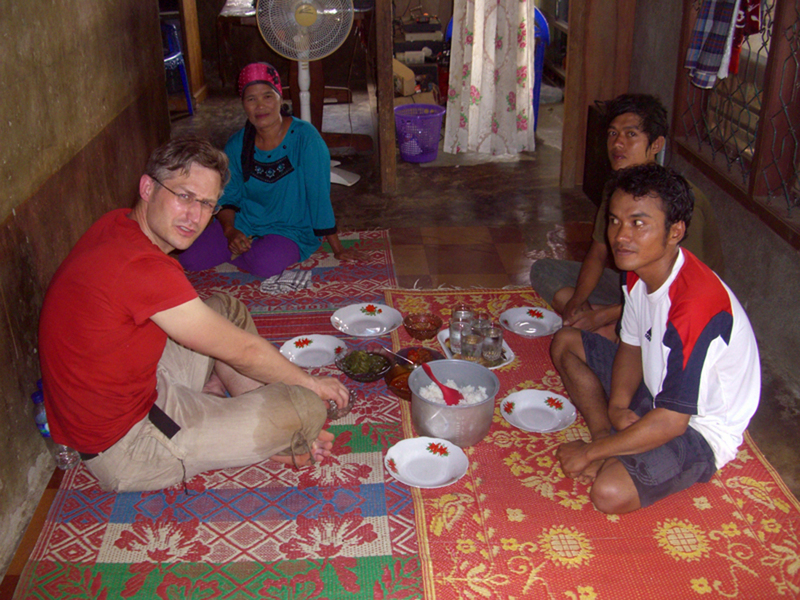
(385, 93)
(599, 49)
(191, 50)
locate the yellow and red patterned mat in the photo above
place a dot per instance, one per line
(515, 527)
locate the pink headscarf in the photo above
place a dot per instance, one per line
(260, 73)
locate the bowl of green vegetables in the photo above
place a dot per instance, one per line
(364, 365)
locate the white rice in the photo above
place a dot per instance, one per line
(471, 394)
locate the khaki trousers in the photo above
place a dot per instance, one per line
(215, 432)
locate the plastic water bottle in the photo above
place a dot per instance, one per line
(66, 457)
(39, 415)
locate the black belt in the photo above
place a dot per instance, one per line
(162, 421)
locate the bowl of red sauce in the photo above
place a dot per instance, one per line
(397, 377)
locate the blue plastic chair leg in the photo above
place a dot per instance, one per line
(186, 90)
(537, 82)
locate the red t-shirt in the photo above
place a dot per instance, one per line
(98, 347)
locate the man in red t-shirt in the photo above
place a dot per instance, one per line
(130, 354)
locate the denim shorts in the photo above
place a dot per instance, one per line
(665, 470)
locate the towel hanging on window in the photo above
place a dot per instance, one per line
(709, 41)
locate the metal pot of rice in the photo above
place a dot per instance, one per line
(464, 424)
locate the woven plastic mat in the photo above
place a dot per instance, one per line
(515, 527)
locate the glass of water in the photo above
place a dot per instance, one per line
(460, 324)
(461, 305)
(471, 344)
(492, 343)
(481, 321)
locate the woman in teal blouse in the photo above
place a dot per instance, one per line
(277, 204)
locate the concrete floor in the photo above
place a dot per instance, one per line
(481, 223)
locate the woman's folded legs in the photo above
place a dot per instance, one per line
(209, 250)
(268, 255)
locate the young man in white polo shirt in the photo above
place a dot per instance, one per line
(669, 405)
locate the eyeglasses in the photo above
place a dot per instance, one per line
(188, 199)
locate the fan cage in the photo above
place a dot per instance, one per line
(282, 32)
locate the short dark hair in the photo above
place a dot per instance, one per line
(181, 153)
(677, 200)
(648, 108)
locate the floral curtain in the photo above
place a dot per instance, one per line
(490, 95)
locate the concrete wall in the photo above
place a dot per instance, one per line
(655, 49)
(83, 102)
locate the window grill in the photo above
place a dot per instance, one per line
(783, 142)
(747, 125)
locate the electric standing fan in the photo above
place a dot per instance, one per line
(306, 30)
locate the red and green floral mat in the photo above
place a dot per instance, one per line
(515, 527)
(340, 529)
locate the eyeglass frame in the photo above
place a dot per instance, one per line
(188, 199)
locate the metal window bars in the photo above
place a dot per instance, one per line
(747, 125)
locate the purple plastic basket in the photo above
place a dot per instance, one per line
(419, 127)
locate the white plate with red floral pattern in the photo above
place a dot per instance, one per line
(366, 320)
(426, 462)
(538, 411)
(531, 321)
(313, 350)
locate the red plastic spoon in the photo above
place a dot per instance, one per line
(451, 396)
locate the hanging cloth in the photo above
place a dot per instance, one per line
(709, 41)
(748, 22)
(490, 92)
(726, 56)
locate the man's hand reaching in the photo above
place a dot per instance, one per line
(329, 388)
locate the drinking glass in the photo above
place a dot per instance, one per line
(460, 323)
(481, 321)
(492, 343)
(461, 305)
(471, 344)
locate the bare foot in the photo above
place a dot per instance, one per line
(215, 386)
(589, 474)
(320, 448)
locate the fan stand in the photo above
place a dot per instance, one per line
(289, 27)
